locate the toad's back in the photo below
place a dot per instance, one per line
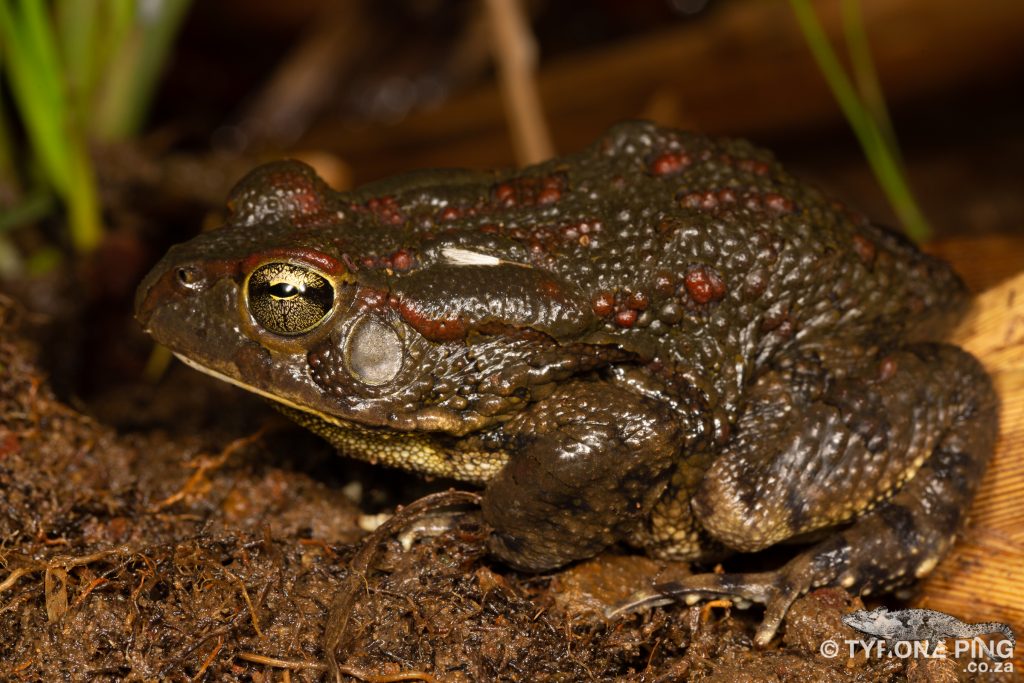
(704, 253)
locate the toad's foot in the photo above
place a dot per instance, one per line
(895, 543)
(776, 590)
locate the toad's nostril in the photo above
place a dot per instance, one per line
(189, 277)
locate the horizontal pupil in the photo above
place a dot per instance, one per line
(283, 290)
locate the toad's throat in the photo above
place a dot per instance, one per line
(416, 451)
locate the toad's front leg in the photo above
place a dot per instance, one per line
(588, 464)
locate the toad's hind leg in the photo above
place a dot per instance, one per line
(900, 537)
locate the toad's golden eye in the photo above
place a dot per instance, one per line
(288, 299)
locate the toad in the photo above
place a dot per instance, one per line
(664, 341)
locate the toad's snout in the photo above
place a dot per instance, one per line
(177, 282)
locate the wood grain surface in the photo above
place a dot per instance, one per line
(981, 579)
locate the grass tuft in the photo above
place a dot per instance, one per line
(864, 108)
(78, 70)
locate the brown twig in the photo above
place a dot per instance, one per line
(26, 664)
(299, 664)
(209, 660)
(387, 678)
(99, 581)
(278, 663)
(705, 609)
(248, 602)
(205, 465)
(306, 78)
(341, 608)
(318, 543)
(515, 52)
(13, 577)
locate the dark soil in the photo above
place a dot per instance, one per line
(188, 554)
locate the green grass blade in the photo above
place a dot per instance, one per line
(83, 203)
(32, 208)
(121, 15)
(77, 24)
(115, 19)
(880, 156)
(36, 23)
(135, 70)
(8, 175)
(864, 73)
(35, 83)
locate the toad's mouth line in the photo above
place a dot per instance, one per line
(344, 424)
(380, 445)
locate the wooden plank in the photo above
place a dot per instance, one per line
(980, 580)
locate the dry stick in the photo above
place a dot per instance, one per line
(248, 602)
(341, 608)
(205, 465)
(62, 562)
(219, 633)
(98, 581)
(279, 663)
(387, 678)
(515, 52)
(209, 659)
(307, 77)
(16, 574)
(55, 581)
(298, 664)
